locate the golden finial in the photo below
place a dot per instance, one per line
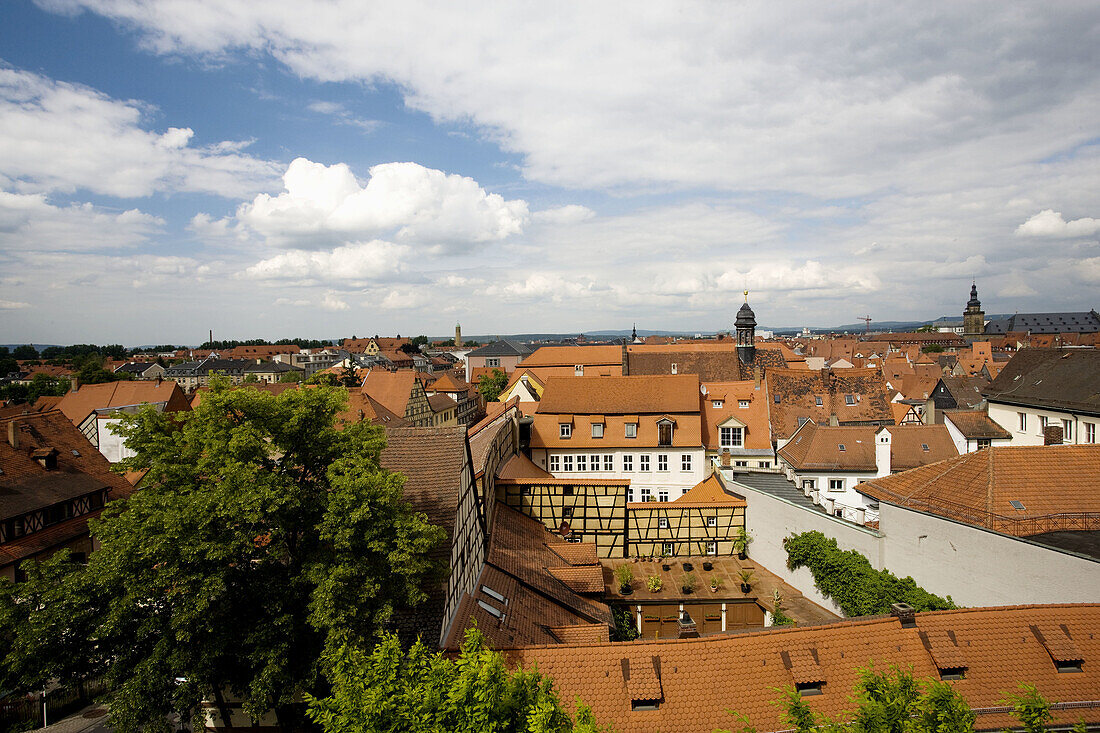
(746, 296)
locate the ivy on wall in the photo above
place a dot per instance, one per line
(847, 577)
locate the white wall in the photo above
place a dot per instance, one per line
(977, 567)
(1007, 416)
(111, 445)
(675, 481)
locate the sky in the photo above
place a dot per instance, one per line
(326, 169)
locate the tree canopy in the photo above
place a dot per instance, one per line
(263, 534)
(491, 385)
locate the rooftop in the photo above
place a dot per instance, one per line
(621, 395)
(1060, 379)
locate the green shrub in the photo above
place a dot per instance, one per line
(848, 578)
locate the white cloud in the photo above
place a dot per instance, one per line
(13, 305)
(1049, 223)
(56, 136)
(361, 261)
(341, 115)
(564, 215)
(323, 205)
(333, 303)
(29, 223)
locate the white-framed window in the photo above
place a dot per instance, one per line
(594, 462)
(608, 462)
(765, 464)
(849, 399)
(578, 370)
(662, 495)
(666, 549)
(628, 462)
(631, 430)
(630, 495)
(1067, 431)
(673, 367)
(817, 400)
(492, 361)
(809, 483)
(662, 522)
(1043, 421)
(565, 430)
(555, 464)
(685, 462)
(712, 548)
(716, 404)
(582, 462)
(662, 461)
(741, 464)
(836, 484)
(567, 463)
(743, 404)
(1090, 432)
(643, 462)
(731, 437)
(664, 432)
(1023, 420)
(647, 494)
(597, 430)
(712, 521)
(575, 537)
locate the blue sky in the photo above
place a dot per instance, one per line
(323, 169)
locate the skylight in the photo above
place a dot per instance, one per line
(840, 446)
(1017, 504)
(494, 611)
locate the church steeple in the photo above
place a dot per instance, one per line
(634, 334)
(973, 316)
(745, 324)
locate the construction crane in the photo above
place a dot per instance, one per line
(867, 324)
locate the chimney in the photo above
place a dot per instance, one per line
(1052, 435)
(833, 420)
(74, 383)
(883, 444)
(626, 362)
(727, 459)
(904, 613)
(757, 376)
(688, 629)
(13, 434)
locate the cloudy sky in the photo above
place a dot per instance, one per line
(294, 168)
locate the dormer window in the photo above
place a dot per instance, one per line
(743, 404)
(849, 399)
(597, 430)
(817, 400)
(673, 367)
(631, 430)
(716, 404)
(664, 432)
(578, 370)
(565, 430)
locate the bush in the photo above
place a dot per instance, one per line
(848, 578)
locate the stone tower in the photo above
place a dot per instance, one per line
(973, 316)
(746, 332)
(458, 334)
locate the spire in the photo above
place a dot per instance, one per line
(974, 302)
(634, 333)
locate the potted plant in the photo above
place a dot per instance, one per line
(624, 574)
(741, 542)
(653, 583)
(688, 584)
(715, 583)
(708, 565)
(747, 577)
(688, 567)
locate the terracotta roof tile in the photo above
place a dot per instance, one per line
(642, 677)
(800, 391)
(581, 578)
(572, 355)
(975, 424)
(757, 434)
(91, 397)
(581, 633)
(819, 447)
(709, 492)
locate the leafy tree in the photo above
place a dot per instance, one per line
(419, 341)
(263, 533)
(349, 378)
(91, 371)
(491, 385)
(926, 328)
(291, 377)
(848, 578)
(389, 690)
(8, 364)
(933, 349)
(41, 385)
(25, 352)
(1030, 708)
(50, 352)
(410, 348)
(625, 628)
(250, 378)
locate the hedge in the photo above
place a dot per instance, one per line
(848, 578)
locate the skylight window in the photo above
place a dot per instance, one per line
(493, 594)
(1018, 505)
(924, 447)
(808, 689)
(840, 447)
(492, 610)
(76, 453)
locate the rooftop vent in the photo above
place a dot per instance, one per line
(904, 613)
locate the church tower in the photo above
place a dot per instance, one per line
(746, 332)
(973, 316)
(458, 334)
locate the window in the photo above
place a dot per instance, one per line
(565, 430)
(492, 361)
(597, 430)
(608, 462)
(1069, 665)
(575, 537)
(809, 484)
(492, 593)
(741, 464)
(567, 463)
(664, 432)
(809, 688)
(849, 399)
(924, 447)
(662, 461)
(666, 549)
(555, 464)
(643, 462)
(712, 548)
(582, 462)
(1067, 431)
(712, 521)
(685, 462)
(836, 484)
(716, 404)
(1090, 432)
(662, 495)
(491, 609)
(645, 704)
(984, 443)
(647, 493)
(673, 367)
(662, 522)
(1023, 420)
(731, 437)
(743, 404)
(1043, 420)
(566, 490)
(840, 447)
(567, 512)
(594, 461)
(777, 399)
(578, 370)
(628, 462)
(630, 495)
(817, 400)
(631, 430)
(765, 464)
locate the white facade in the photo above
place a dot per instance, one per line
(683, 468)
(969, 445)
(1026, 424)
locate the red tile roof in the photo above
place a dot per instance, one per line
(91, 397)
(798, 391)
(573, 355)
(975, 424)
(755, 417)
(816, 447)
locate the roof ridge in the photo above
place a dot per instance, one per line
(990, 464)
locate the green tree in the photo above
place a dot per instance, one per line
(932, 349)
(41, 385)
(91, 371)
(388, 690)
(291, 377)
(1030, 708)
(419, 341)
(25, 352)
(349, 378)
(250, 379)
(491, 385)
(263, 532)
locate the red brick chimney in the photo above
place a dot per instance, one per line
(1052, 435)
(13, 433)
